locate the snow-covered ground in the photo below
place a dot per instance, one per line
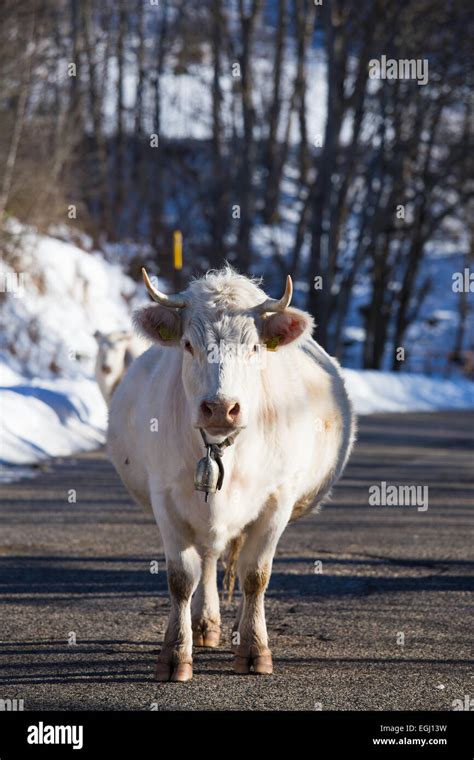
(45, 418)
(50, 404)
(372, 391)
(51, 310)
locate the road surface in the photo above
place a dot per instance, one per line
(368, 606)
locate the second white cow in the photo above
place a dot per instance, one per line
(115, 352)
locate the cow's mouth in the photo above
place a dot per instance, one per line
(219, 435)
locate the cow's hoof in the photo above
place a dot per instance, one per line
(179, 673)
(252, 659)
(263, 664)
(206, 635)
(182, 673)
(163, 671)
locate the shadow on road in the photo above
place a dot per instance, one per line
(32, 581)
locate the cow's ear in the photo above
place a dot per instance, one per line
(160, 324)
(285, 327)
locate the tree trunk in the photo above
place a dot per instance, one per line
(220, 210)
(247, 200)
(101, 188)
(272, 158)
(304, 25)
(137, 171)
(157, 232)
(318, 301)
(19, 117)
(120, 139)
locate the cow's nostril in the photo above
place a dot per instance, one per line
(206, 409)
(234, 410)
(219, 413)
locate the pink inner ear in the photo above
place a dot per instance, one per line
(293, 329)
(287, 326)
(151, 319)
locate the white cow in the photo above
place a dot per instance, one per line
(116, 351)
(240, 371)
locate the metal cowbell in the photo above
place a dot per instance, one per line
(206, 476)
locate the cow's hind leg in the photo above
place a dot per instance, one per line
(206, 619)
(254, 567)
(175, 659)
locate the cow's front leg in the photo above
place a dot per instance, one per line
(175, 659)
(206, 618)
(254, 568)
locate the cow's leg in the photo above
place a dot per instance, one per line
(205, 606)
(254, 567)
(175, 659)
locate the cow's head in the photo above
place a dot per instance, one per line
(223, 324)
(112, 349)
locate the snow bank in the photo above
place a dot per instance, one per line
(50, 404)
(372, 391)
(65, 295)
(40, 420)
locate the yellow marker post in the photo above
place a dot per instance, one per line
(177, 249)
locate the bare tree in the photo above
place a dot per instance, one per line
(101, 191)
(121, 144)
(248, 19)
(20, 111)
(272, 150)
(220, 176)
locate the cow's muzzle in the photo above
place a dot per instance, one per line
(219, 415)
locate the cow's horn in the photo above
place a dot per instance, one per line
(174, 302)
(278, 304)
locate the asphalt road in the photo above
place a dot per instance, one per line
(84, 568)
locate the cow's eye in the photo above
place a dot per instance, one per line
(255, 348)
(188, 347)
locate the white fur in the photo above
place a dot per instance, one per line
(298, 435)
(116, 351)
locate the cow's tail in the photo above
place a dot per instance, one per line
(230, 565)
